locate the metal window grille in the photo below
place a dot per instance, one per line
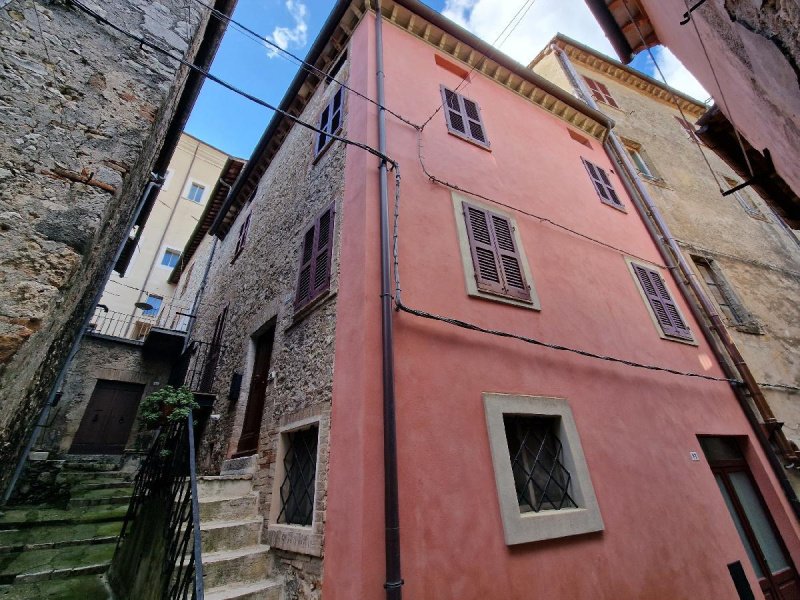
(542, 481)
(300, 467)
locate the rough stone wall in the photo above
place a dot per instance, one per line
(758, 258)
(75, 98)
(259, 286)
(106, 358)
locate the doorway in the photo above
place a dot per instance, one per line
(248, 441)
(777, 576)
(108, 418)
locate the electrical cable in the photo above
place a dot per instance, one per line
(307, 66)
(144, 43)
(481, 62)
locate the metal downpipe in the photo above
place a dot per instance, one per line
(394, 581)
(671, 252)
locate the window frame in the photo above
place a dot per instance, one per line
(302, 305)
(465, 135)
(327, 112)
(690, 339)
(195, 184)
(155, 310)
(744, 199)
(241, 238)
(304, 539)
(468, 264)
(522, 528)
(739, 318)
(173, 251)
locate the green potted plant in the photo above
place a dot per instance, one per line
(167, 405)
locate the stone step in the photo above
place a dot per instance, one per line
(93, 484)
(243, 465)
(230, 535)
(229, 509)
(224, 486)
(27, 517)
(92, 465)
(56, 536)
(100, 496)
(84, 587)
(236, 567)
(266, 589)
(55, 563)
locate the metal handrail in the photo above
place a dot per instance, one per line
(167, 482)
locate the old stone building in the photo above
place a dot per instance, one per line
(88, 114)
(748, 261)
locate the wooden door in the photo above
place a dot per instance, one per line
(248, 441)
(108, 418)
(777, 575)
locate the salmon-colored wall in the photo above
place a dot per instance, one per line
(667, 532)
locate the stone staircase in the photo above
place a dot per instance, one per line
(61, 548)
(236, 565)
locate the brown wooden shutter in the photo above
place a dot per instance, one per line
(315, 262)
(609, 99)
(602, 184)
(510, 260)
(661, 302)
(495, 257)
(453, 111)
(484, 257)
(600, 92)
(242, 238)
(472, 112)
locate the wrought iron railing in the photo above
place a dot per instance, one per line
(136, 325)
(164, 497)
(200, 361)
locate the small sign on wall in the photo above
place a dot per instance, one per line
(694, 456)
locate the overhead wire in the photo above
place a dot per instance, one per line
(480, 63)
(307, 66)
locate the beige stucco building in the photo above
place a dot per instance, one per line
(190, 179)
(746, 258)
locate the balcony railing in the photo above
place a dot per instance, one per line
(201, 359)
(136, 326)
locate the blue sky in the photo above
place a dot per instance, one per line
(234, 124)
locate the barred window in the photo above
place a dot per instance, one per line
(300, 474)
(541, 480)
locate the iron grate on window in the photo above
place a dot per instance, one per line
(541, 480)
(297, 488)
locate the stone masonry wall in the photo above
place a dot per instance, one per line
(76, 99)
(257, 287)
(99, 358)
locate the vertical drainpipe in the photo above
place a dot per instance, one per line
(671, 252)
(394, 581)
(153, 185)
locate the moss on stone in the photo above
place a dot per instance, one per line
(89, 587)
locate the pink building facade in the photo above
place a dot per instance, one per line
(525, 469)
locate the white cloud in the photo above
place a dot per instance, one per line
(296, 36)
(545, 18)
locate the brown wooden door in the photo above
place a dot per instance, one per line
(248, 441)
(108, 418)
(777, 575)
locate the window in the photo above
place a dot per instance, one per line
(314, 277)
(542, 479)
(167, 180)
(300, 473)
(744, 199)
(330, 121)
(195, 193)
(170, 258)
(723, 293)
(689, 129)
(663, 309)
(497, 266)
(600, 92)
(640, 160)
(602, 185)
(464, 117)
(155, 302)
(242, 239)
